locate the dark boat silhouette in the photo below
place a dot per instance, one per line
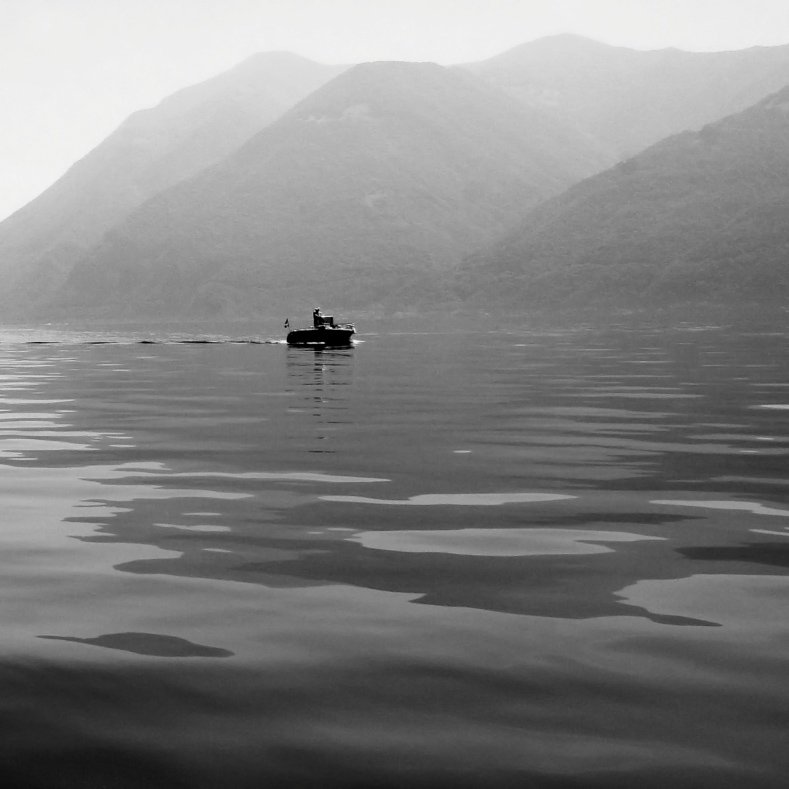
(324, 331)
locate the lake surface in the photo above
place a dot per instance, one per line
(482, 558)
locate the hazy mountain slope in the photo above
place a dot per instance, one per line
(629, 99)
(389, 171)
(152, 150)
(699, 217)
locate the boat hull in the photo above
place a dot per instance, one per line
(324, 335)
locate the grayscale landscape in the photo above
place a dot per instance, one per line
(527, 528)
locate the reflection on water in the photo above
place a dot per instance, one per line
(745, 506)
(496, 542)
(457, 499)
(148, 644)
(319, 377)
(484, 558)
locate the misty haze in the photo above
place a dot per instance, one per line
(395, 423)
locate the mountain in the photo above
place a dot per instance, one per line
(628, 99)
(699, 217)
(382, 178)
(152, 150)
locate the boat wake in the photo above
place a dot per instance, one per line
(196, 341)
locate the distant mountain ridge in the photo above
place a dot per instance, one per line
(284, 180)
(389, 171)
(699, 217)
(152, 150)
(628, 99)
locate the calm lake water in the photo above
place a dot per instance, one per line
(461, 559)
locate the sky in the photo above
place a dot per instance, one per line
(72, 70)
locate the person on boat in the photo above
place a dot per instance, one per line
(320, 321)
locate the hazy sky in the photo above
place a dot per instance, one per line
(72, 70)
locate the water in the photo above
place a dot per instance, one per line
(521, 558)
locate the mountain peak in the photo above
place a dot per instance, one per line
(389, 86)
(393, 69)
(562, 45)
(272, 59)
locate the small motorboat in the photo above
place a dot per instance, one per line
(324, 331)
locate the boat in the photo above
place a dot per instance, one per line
(324, 331)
